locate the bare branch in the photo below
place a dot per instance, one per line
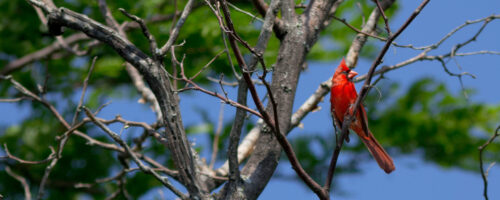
(77, 37)
(360, 39)
(65, 137)
(144, 168)
(459, 76)
(236, 153)
(234, 83)
(84, 89)
(225, 99)
(106, 13)
(263, 9)
(242, 64)
(386, 21)
(215, 144)
(245, 12)
(206, 65)
(59, 39)
(174, 33)
(22, 180)
(55, 156)
(486, 20)
(48, 169)
(157, 78)
(10, 156)
(484, 174)
(357, 30)
(12, 100)
(152, 42)
(137, 80)
(478, 53)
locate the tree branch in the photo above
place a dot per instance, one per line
(72, 39)
(157, 78)
(357, 30)
(484, 174)
(263, 10)
(360, 39)
(265, 115)
(386, 21)
(235, 133)
(174, 33)
(129, 151)
(22, 180)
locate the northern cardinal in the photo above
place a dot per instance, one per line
(343, 95)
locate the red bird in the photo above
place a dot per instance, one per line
(343, 95)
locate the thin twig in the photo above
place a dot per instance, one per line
(22, 180)
(10, 156)
(12, 100)
(455, 48)
(224, 39)
(279, 25)
(245, 12)
(195, 86)
(233, 84)
(206, 65)
(357, 30)
(386, 21)
(215, 144)
(478, 53)
(107, 179)
(175, 17)
(459, 76)
(65, 137)
(151, 39)
(359, 41)
(484, 174)
(174, 33)
(84, 89)
(452, 32)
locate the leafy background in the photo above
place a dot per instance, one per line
(421, 115)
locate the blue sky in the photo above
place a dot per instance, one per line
(414, 178)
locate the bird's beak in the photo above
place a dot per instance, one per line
(352, 74)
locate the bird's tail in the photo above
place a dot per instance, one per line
(383, 159)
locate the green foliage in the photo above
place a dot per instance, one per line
(445, 126)
(147, 182)
(30, 141)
